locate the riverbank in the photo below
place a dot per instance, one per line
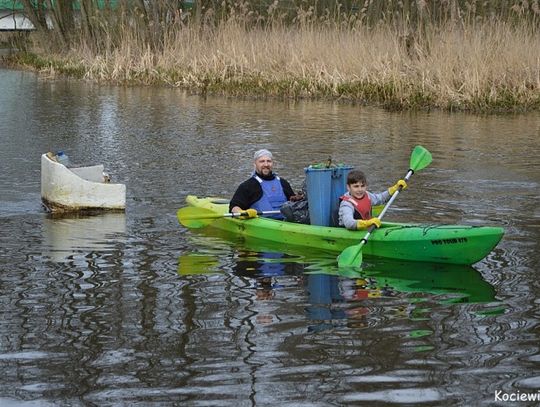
(487, 67)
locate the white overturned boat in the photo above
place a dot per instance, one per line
(78, 189)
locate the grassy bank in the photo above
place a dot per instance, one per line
(491, 65)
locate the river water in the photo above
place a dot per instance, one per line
(134, 309)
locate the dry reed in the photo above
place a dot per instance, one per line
(461, 63)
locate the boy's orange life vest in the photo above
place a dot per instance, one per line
(362, 206)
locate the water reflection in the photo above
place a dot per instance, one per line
(335, 296)
(195, 263)
(405, 290)
(451, 283)
(73, 236)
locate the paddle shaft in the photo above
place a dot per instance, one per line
(196, 217)
(225, 215)
(244, 213)
(392, 198)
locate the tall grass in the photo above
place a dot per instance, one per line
(402, 56)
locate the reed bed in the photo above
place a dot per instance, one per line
(484, 65)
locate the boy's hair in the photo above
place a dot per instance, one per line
(355, 176)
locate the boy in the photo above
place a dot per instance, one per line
(355, 205)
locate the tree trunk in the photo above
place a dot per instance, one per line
(37, 14)
(62, 21)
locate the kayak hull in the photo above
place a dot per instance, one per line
(452, 244)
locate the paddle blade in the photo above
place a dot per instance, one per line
(351, 256)
(194, 217)
(420, 158)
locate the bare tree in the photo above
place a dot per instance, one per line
(36, 12)
(53, 21)
(62, 19)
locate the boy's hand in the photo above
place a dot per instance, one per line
(364, 224)
(392, 190)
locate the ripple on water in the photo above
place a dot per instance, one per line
(412, 396)
(7, 402)
(532, 382)
(30, 355)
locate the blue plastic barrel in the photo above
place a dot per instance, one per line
(324, 187)
(319, 191)
(339, 187)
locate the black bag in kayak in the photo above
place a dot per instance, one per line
(297, 210)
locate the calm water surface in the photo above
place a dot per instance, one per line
(133, 309)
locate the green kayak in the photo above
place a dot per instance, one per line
(452, 244)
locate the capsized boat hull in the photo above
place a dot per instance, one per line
(81, 189)
(452, 244)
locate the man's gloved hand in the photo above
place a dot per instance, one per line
(392, 190)
(249, 213)
(364, 224)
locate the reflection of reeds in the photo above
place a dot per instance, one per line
(458, 55)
